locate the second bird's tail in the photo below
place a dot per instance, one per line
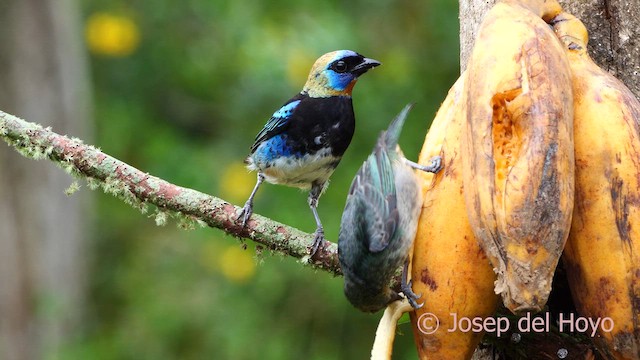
(392, 135)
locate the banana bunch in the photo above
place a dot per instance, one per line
(602, 255)
(519, 186)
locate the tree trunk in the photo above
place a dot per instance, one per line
(43, 76)
(614, 33)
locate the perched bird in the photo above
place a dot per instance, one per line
(303, 142)
(379, 223)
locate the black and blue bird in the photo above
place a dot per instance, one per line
(303, 142)
(380, 221)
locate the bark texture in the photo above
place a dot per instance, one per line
(614, 32)
(140, 189)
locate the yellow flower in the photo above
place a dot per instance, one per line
(237, 183)
(237, 264)
(111, 35)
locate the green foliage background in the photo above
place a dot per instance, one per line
(185, 106)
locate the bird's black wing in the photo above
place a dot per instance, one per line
(278, 121)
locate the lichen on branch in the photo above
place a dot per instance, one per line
(139, 189)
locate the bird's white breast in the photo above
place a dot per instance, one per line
(299, 172)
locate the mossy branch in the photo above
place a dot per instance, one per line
(139, 189)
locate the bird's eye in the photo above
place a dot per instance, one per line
(340, 66)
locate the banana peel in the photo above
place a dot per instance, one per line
(518, 159)
(602, 255)
(449, 269)
(386, 332)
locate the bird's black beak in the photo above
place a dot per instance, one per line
(364, 66)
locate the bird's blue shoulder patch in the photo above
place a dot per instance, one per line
(286, 110)
(276, 123)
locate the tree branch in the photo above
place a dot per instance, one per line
(139, 189)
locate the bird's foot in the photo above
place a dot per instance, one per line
(434, 167)
(405, 287)
(317, 241)
(436, 164)
(245, 213)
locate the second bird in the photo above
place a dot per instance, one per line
(303, 142)
(379, 223)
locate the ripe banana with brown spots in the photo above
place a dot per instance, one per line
(518, 160)
(449, 269)
(602, 255)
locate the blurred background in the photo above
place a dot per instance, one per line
(179, 89)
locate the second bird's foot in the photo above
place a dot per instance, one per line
(317, 241)
(436, 164)
(434, 167)
(411, 296)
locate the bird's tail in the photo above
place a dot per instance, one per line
(392, 135)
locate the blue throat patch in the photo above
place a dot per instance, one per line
(339, 81)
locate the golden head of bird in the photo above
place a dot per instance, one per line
(335, 73)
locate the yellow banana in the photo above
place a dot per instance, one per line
(602, 255)
(449, 269)
(518, 162)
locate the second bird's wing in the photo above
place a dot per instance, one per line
(278, 121)
(374, 190)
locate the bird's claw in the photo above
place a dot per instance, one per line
(245, 214)
(410, 295)
(434, 167)
(317, 241)
(436, 164)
